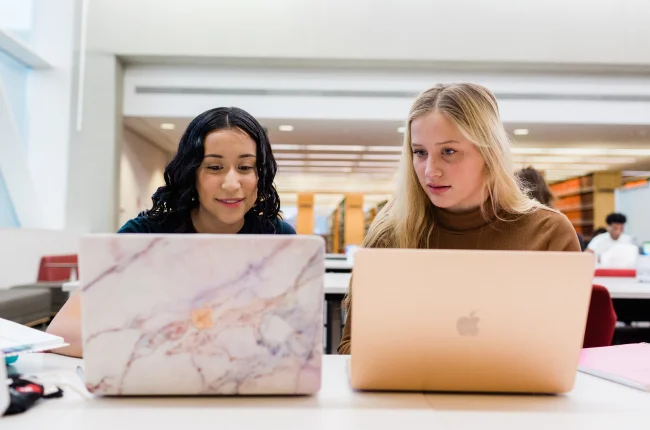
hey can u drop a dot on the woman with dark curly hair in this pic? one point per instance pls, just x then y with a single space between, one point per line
219 182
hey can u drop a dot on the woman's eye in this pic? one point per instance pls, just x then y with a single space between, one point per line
246 168
419 153
448 151
215 168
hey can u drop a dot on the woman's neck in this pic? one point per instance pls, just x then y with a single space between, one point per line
205 223
470 205
466 220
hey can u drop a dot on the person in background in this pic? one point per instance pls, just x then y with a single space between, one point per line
614 236
457 188
219 182
597 232
537 188
535 185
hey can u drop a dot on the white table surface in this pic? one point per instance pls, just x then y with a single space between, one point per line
338 264
624 288
593 404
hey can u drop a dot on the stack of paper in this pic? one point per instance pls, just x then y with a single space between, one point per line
625 364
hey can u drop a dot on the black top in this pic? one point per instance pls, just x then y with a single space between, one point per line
142 224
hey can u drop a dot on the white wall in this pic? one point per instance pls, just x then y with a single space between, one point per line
141 173
13 77
94 151
20 194
21 251
49 100
17 16
556 32
635 204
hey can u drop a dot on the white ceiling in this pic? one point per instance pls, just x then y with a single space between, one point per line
336 156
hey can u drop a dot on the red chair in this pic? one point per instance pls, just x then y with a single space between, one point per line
601 320
616 273
55 268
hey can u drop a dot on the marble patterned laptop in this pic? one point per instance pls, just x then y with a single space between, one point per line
202 314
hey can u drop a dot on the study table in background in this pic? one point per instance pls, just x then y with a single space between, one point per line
631 300
593 404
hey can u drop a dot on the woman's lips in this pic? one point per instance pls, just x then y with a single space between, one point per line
231 203
438 189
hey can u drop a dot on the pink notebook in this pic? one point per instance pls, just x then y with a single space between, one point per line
625 364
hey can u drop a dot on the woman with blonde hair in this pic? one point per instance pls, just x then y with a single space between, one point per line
457 188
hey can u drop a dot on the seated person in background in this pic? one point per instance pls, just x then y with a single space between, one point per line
457 188
614 236
536 187
598 231
220 181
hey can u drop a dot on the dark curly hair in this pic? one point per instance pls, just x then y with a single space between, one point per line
178 196
615 218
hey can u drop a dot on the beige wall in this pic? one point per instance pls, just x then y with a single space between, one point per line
141 173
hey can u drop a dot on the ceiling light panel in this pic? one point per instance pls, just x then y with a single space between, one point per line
336 148
583 151
392 157
331 163
291 163
377 164
574 159
588 167
384 148
289 155
285 147
349 156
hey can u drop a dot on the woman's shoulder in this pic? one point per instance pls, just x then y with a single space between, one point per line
283 227
545 216
550 221
144 224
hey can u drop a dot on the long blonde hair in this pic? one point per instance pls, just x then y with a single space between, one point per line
407 220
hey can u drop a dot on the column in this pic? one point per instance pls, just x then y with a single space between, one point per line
305 217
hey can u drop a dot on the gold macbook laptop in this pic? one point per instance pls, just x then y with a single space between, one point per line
469 321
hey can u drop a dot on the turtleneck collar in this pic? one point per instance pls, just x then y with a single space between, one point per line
473 219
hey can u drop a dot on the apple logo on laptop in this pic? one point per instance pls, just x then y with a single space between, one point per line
468 326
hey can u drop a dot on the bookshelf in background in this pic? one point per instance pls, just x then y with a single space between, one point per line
340 227
346 224
372 213
305 216
354 219
587 200
332 237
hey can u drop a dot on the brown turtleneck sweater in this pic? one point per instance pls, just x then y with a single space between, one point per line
542 230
